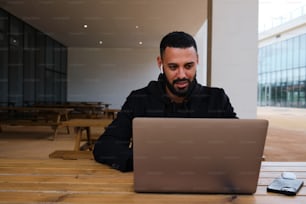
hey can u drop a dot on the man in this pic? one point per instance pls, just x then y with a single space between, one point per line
175 94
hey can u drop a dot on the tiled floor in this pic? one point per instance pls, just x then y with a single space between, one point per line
286 138
286 135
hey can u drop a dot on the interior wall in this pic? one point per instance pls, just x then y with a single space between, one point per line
201 39
109 75
234 52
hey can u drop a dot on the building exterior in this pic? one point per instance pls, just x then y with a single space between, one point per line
282 62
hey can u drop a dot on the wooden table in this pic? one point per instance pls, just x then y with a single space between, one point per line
85 181
91 110
111 113
39 116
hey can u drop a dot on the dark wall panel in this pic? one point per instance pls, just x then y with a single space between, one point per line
33 66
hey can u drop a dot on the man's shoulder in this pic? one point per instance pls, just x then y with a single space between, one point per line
209 89
151 87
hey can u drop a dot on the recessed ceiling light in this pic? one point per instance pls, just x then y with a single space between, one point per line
140 42
137 27
85 26
100 42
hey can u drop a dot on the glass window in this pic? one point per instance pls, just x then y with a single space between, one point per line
50 78
302 94
15 72
278 58
264 59
303 74
260 60
283 77
289 76
302 53
273 95
296 75
3 58
29 65
284 50
57 57
295 52
49 54
40 67
263 78
290 54
268 57
283 100
273 77
273 53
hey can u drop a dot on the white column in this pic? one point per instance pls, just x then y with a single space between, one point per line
234 52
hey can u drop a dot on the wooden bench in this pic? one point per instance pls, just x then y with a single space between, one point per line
71 154
34 116
81 126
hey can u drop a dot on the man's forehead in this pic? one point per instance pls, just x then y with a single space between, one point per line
179 48
172 53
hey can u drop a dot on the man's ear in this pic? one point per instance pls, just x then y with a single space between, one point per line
160 64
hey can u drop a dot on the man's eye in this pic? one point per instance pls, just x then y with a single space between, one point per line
172 67
188 66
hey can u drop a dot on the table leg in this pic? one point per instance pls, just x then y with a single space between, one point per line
88 144
78 135
64 117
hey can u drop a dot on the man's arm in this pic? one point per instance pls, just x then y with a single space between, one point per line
113 147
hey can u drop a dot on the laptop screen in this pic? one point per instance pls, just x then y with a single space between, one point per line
188 155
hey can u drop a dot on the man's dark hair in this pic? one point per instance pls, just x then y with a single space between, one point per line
177 39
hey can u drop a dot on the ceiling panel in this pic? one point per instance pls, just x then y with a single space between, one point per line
118 23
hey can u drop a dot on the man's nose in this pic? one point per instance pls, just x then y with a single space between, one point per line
181 73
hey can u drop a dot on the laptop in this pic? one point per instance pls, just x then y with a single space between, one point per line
197 155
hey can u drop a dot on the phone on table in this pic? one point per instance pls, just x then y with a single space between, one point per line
286 184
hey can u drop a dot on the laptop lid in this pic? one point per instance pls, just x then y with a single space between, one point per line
188 155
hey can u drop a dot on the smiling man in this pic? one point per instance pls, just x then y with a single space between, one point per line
176 93
178 62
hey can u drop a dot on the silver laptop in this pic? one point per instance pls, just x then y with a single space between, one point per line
187 155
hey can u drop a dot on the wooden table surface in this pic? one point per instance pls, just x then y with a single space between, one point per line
85 181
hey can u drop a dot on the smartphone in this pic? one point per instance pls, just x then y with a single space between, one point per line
285 186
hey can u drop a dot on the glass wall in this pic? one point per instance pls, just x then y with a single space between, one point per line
282 73
33 66
3 58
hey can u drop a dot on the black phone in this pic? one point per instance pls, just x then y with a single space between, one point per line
285 186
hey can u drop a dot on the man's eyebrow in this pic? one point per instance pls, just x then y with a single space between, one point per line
189 63
172 64
176 64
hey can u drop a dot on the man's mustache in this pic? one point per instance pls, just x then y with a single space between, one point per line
181 80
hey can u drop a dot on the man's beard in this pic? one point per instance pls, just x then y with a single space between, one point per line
180 92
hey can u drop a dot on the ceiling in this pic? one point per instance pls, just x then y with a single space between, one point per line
117 23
